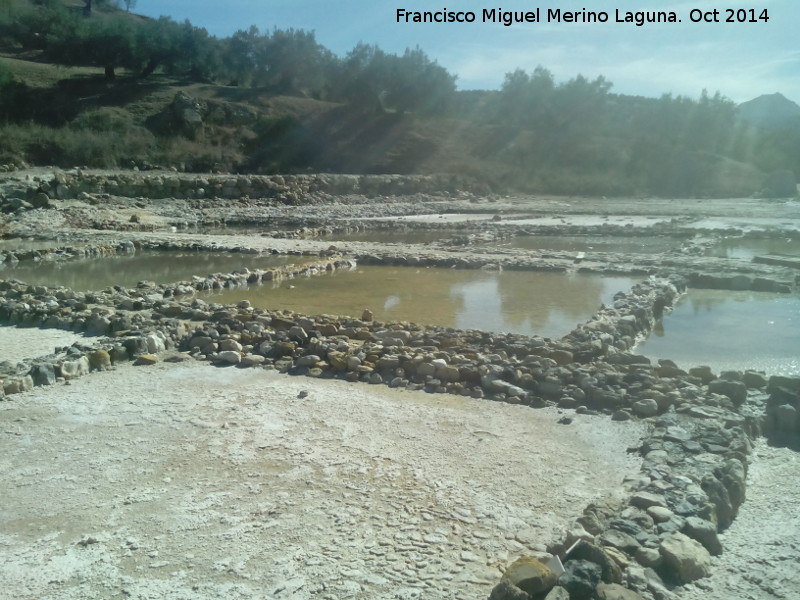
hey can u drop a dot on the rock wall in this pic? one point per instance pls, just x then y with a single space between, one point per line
289 189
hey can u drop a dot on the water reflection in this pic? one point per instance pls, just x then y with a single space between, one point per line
747 248
128 270
731 330
548 304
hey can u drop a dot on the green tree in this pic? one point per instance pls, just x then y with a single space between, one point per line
291 61
110 44
363 77
240 54
374 80
418 84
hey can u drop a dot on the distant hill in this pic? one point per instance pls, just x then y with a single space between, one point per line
770 111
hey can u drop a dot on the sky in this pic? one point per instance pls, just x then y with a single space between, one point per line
739 60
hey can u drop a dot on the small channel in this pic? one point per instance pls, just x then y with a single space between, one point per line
529 303
731 331
128 269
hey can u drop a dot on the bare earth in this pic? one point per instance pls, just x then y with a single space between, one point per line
32 342
189 481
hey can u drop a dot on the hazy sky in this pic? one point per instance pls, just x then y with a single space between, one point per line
740 60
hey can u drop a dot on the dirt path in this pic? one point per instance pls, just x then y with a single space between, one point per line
188 481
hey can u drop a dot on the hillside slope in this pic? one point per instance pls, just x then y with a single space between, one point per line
119 90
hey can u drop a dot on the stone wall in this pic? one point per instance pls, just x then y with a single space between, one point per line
289 189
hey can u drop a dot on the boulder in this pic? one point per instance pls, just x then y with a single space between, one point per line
230 345
230 357
155 342
309 360
337 360
297 333
448 373
587 551
704 532
785 417
660 514
618 539
505 590
703 373
754 380
17 385
720 498
43 374
70 369
580 577
646 407
186 115
735 390
557 593
562 357
530 575
252 360
645 500
145 359
99 360
685 558
135 345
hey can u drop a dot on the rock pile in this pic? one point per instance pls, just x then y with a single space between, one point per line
691 485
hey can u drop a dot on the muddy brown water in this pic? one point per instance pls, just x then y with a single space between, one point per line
127 270
530 303
731 330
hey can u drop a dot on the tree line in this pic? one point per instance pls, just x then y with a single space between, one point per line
538 130
281 61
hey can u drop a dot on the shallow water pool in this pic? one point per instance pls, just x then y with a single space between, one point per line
530 303
127 270
731 330
746 248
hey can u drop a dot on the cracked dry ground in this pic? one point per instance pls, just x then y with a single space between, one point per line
185 481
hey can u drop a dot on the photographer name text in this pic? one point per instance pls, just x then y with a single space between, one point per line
557 15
